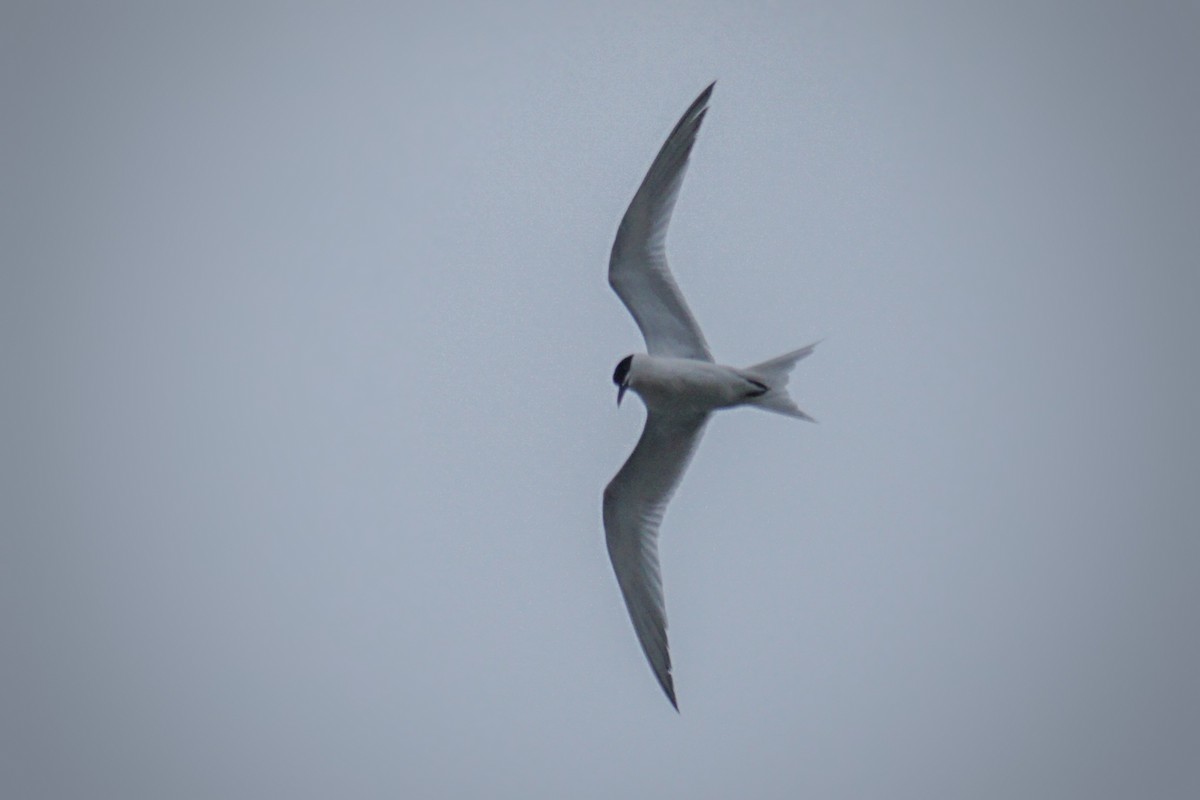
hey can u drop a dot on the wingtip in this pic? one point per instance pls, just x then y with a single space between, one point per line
668 687
696 111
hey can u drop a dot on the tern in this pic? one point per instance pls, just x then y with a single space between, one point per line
678 382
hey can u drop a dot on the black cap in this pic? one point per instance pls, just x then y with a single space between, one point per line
622 370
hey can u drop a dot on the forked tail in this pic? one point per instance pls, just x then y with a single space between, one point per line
774 373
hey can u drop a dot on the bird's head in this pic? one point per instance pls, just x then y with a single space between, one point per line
621 377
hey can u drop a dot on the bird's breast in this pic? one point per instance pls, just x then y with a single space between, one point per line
686 385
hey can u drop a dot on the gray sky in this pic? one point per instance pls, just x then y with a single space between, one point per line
306 347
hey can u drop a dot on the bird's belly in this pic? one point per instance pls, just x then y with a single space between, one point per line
682 385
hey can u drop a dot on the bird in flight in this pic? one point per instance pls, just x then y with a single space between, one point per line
679 383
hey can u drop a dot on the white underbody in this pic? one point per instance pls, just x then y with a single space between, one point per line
688 386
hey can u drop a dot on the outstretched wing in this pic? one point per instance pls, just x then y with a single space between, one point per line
637 269
634 502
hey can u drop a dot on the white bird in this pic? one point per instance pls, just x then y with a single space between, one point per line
679 384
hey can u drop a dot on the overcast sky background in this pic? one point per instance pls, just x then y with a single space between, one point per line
306 407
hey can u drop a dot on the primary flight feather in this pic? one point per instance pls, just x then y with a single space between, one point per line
679 383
